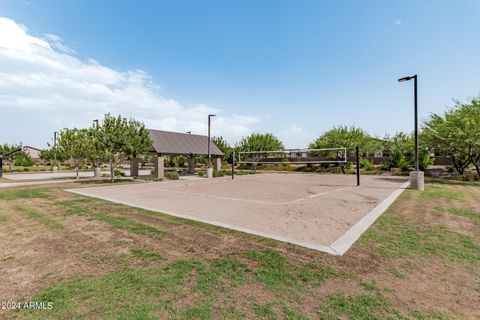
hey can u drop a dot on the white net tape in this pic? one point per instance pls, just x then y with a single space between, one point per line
293 156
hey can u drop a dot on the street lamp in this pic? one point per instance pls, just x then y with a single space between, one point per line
416 177
97 170
54 167
209 169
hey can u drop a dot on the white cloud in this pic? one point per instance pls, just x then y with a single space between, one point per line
57 43
397 22
46 85
14 37
294 137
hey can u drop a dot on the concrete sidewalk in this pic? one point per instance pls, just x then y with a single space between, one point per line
61 175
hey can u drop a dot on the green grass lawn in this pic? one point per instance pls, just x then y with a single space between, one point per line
128 263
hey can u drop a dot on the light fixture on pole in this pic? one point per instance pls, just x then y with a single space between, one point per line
209 168
416 177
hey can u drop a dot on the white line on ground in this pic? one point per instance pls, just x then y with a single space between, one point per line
248 200
216 197
315 195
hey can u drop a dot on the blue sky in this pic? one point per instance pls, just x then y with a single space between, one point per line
293 68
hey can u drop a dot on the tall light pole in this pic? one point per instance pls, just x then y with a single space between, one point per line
97 171
209 169
55 141
416 178
54 167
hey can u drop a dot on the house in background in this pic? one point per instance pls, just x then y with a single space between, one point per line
32 152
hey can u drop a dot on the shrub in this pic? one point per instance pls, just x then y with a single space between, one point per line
244 166
305 169
172 175
385 166
366 164
424 161
24 161
118 173
399 173
468 177
219 173
404 165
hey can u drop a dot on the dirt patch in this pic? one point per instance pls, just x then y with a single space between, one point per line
34 256
436 285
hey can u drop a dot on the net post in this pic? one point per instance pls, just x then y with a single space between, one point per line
1 165
233 165
357 156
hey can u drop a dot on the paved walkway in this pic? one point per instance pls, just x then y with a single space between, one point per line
59 175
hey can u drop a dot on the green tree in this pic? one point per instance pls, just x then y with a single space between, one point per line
75 145
121 139
223 145
456 134
437 133
345 137
466 122
260 142
96 154
400 150
53 153
9 155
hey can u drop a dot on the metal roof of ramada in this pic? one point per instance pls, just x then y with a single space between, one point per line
175 143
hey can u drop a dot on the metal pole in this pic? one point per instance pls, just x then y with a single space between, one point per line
233 165
209 154
416 122
1 165
357 155
55 146
97 164
54 166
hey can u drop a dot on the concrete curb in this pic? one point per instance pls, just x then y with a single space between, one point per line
342 244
